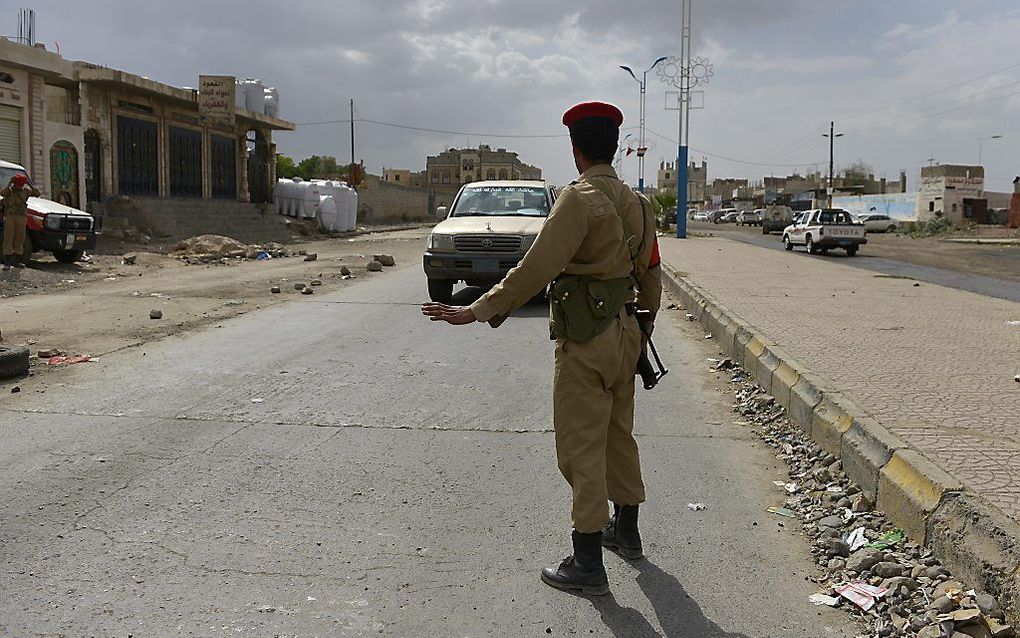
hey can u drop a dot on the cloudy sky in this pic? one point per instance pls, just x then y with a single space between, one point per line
906 80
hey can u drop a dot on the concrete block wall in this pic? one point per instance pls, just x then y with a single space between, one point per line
381 202
176 219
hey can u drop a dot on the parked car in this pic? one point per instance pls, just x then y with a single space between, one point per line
750 217
723 215
489 228
53 227
878 223
700 216
775 219
821 229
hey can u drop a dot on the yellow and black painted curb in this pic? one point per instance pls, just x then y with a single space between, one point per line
973 538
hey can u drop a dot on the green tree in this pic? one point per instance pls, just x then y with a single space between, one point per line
320 167
285 167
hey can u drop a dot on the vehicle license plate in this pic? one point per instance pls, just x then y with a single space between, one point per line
486 265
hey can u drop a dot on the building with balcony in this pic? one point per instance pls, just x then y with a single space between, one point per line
455 167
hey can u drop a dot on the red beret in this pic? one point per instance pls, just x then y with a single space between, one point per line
592 109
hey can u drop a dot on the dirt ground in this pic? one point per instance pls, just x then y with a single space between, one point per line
1001 261
103 306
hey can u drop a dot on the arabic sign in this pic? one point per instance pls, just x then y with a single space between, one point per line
216 98
965 186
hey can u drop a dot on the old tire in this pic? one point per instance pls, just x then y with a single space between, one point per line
851 251
787 244
68 256
13 362
441 290
811 246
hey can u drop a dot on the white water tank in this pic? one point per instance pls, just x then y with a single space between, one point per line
328 215
272 102
280 195
239 94
254 95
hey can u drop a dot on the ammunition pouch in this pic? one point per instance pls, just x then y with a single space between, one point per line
581 307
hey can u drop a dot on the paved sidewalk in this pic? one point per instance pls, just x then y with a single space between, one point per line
935 366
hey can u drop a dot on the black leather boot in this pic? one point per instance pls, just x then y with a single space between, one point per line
621 534
584 570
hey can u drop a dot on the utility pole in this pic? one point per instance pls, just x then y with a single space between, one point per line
982 140
832 147
685 118
352 131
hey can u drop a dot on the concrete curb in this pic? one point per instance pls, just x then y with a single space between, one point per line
974 539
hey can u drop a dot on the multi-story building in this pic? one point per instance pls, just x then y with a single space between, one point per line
454 167
697 177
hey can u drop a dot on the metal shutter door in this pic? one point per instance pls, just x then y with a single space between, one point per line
10 134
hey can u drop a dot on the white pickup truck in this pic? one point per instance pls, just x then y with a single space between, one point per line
823 228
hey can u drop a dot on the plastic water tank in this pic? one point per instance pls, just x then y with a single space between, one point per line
280 195
352 211
254 96
306 196
239 94
272 102
328 215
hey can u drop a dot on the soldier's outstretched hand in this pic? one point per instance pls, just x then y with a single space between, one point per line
455 315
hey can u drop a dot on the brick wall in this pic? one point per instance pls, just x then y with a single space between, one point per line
175 219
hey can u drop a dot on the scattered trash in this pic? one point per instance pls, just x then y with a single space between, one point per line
672 306
856 539
782 511
708 336
65 360
48 353
262 256
861 594
129 259
275 290
822 599
690 317
887 540
697 507
16 389
258 400
1014 323
307 291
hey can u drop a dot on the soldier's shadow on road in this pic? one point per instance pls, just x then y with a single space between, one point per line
677 613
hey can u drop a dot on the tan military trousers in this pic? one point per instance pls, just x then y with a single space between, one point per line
14 234
593 415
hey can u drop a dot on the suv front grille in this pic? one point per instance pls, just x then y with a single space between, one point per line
76 223
487 243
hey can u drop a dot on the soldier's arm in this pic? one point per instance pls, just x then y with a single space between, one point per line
5 191
556 244
650 278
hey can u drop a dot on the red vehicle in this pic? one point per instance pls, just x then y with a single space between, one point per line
53 227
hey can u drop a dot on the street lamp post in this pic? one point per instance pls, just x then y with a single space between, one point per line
982 140
642 147
832 135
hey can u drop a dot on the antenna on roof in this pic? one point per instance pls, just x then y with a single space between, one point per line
26 26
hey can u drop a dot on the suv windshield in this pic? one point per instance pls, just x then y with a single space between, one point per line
513 201
7 173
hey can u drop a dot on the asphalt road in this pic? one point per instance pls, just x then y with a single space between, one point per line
338 466
979 284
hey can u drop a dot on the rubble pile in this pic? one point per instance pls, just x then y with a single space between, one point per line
867 566
206 249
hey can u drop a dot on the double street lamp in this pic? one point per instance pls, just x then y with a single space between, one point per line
982 140
642 147
832 135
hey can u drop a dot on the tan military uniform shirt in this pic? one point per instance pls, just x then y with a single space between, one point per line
584 235
16 200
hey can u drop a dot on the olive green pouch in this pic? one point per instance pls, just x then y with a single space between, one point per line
581 307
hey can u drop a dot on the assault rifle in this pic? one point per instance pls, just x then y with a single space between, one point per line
650 375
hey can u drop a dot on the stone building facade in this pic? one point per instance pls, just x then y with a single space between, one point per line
697 177
455 167
92 136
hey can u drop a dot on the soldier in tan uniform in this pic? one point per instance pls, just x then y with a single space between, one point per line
15 198
598 249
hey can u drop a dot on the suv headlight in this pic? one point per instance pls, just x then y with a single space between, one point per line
527 241
54 222
440 242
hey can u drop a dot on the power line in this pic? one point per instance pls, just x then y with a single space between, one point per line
907 119
422 129
731 159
